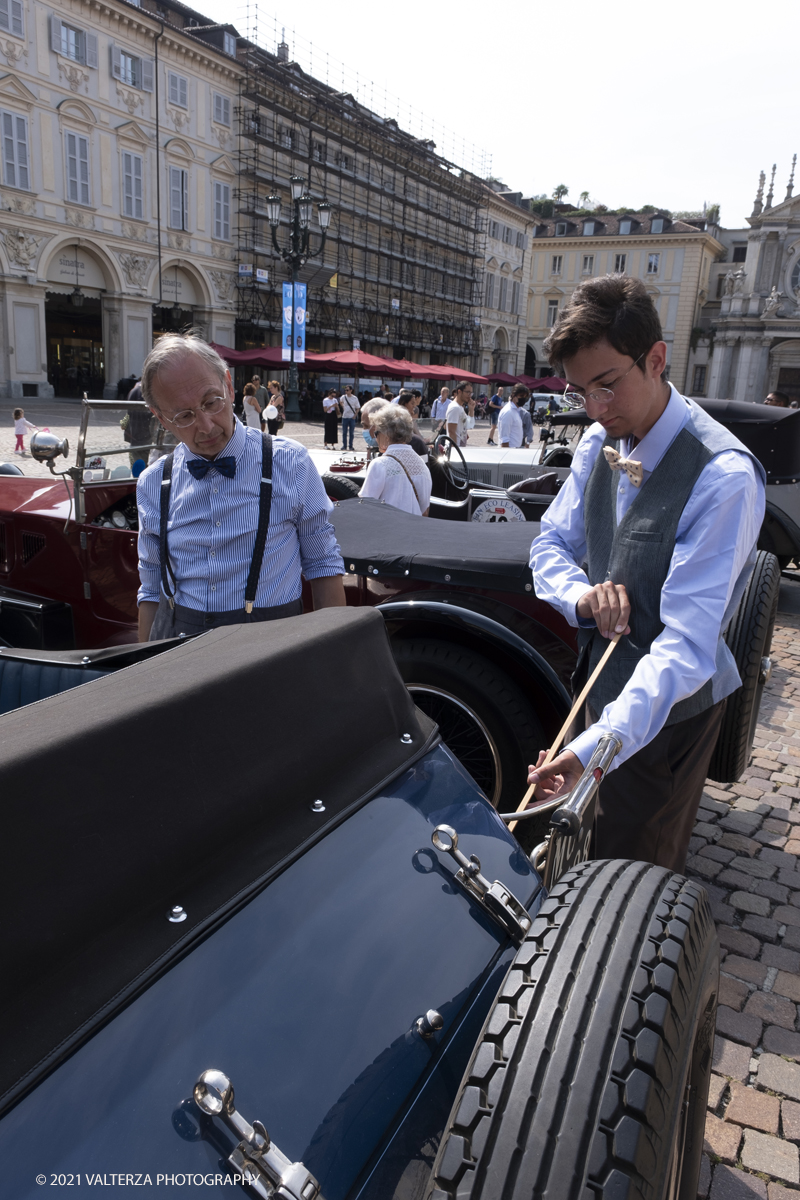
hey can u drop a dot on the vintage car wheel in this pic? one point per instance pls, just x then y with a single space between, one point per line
339 487
484 718
591 1074
749 637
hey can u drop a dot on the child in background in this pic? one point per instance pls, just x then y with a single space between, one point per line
21 427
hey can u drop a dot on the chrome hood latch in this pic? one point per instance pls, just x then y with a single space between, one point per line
494 898
262 1166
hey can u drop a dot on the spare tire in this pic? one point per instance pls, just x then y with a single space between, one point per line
590 1077
339 487
749 637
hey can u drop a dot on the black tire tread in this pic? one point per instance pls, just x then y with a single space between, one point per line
749 637
644 934
339 487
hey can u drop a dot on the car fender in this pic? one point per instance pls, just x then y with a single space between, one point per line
779 533
426 618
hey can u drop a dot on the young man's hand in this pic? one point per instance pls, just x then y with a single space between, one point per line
607 604
556 779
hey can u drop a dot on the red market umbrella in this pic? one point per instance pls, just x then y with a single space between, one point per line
550 383
504 377
444 371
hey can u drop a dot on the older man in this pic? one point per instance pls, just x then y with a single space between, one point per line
233 518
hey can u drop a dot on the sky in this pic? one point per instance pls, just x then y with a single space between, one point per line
671 105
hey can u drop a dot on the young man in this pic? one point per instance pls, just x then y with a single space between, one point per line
493 407
460 416
664 506
510 427
200 508
350 408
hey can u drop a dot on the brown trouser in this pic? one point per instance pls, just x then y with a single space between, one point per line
647 807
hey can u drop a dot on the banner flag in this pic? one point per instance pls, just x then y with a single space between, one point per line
300 322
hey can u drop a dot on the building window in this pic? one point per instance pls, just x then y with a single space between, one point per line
501 303
222 109
344 161
552 312
132 205
494 229
720 285
136 72
699 381
619 263
657 225
508 234
490 291
77 148
222 211
625 226
15 151
229 44
11 17
318 152
178 198
555 268
739 253
520 241
286 137
561 228
515 297
652 263
74 43
178 90
588 228
588 264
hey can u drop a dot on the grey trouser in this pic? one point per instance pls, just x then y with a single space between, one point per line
171 622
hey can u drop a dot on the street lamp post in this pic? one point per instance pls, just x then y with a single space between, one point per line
296 255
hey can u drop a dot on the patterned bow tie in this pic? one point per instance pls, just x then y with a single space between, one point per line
200 467
631 468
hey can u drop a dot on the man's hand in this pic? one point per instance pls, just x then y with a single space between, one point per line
556 779
607 604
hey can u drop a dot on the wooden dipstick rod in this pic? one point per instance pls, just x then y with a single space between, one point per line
562 733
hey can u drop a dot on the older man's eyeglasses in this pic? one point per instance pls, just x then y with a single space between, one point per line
603 395
188 416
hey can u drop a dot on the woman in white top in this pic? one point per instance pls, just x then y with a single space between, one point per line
331 408
399 477
252 409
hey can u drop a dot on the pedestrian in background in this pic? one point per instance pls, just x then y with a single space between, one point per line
349 407
461 414
441 405
410 402
368 410
252 409
330 406
399 477
262 395
276 398
493 407
21 426
510 427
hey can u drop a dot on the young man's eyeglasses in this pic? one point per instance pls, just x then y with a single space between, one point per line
603 395
188 416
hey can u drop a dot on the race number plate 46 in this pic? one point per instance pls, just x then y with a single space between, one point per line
501 510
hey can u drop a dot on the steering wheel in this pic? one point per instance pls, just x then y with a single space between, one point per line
444 450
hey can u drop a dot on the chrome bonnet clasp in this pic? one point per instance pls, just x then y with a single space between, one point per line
261 1164
495 898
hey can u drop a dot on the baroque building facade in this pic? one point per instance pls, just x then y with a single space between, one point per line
118 173
673 258
506 275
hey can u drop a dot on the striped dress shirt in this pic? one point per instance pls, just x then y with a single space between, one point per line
212 527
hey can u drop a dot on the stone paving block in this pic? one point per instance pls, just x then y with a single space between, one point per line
722 1139
723 914
787 984
743 968
791 939
758 770
719 802
711 833
790 1120
761 927
741 1027
706 868
731 1059
787 914
777 1075
732 992
740 843
792 847
716 1089
791 815
755 866
751 790
697 843
786 777
773 825
767 838
781 1041
730 1184
794 898
706 814
763 805
752 1108
776 1191
772 1009
779 857
731 878
743 823
717 854
758 905
790 879
773 891
784 960
704 1178
781 804
771 1155
786 790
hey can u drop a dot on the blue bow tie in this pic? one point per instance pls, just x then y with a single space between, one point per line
200 467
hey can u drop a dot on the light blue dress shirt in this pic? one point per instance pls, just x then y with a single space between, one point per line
212 527
716 533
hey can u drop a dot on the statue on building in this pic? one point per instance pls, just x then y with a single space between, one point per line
730 283
738 282
21 247
772 303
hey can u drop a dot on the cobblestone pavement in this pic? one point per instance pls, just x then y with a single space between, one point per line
746 852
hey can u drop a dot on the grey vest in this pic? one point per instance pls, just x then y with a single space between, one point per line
638 552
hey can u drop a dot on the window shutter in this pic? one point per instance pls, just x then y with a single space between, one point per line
91 50
83 154
9 164
138 199
185 183
146 68
23 175
127 184
173 88
4 21
226 111
175 198
16 18
56 36
116 62
183 92
217 108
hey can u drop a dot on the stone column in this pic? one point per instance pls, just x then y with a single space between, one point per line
720 367
745 376
112 344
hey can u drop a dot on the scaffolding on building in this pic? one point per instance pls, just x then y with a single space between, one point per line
401 271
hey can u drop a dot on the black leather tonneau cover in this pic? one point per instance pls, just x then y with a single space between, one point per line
186 779
377 539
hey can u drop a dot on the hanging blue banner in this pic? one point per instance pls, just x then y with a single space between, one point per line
288 305
300 322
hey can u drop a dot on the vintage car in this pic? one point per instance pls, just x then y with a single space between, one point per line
303 957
